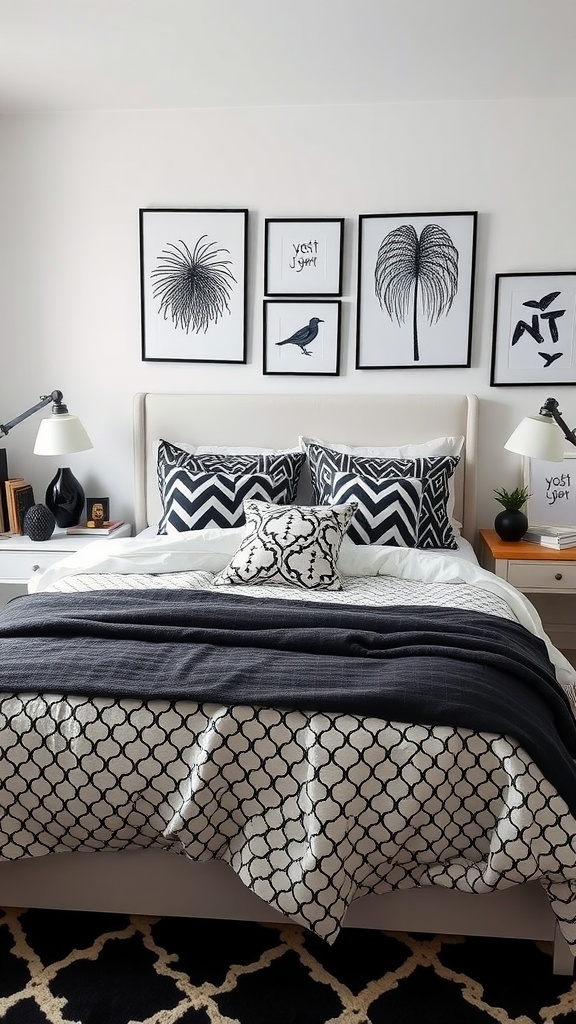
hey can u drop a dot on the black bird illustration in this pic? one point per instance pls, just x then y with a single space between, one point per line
548 360
304 336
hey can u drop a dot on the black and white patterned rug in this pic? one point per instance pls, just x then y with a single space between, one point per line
77 968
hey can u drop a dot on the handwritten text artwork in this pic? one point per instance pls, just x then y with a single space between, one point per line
303 257
552 487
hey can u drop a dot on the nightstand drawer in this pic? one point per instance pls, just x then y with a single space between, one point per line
550 576
19 566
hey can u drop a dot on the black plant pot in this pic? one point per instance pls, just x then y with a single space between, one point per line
510 525
65 498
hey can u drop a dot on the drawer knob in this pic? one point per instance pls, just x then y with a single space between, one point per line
35 568
558 576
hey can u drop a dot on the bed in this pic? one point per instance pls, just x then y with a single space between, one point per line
448 884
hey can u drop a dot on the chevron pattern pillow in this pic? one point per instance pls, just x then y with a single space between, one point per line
197 501
388 510
297 544
434 527
283 468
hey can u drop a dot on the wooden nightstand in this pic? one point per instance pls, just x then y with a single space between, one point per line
529 567
21 558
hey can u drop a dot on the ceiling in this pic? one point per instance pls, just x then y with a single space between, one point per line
155 54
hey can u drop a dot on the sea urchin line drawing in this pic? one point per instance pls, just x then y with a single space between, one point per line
194 288
422 271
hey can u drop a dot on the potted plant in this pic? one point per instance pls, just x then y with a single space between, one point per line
512 523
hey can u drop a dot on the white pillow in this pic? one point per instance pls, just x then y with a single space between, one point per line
215 449
296 544
423 449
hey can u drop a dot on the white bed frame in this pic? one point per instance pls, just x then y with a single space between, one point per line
155 882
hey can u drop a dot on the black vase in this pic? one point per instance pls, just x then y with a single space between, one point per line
39 523
65 498
511 524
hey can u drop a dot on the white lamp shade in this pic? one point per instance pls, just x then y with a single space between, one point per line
537 437
61 434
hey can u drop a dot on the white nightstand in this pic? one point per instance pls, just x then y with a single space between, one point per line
21 558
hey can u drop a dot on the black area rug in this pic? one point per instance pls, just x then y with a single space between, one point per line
61 967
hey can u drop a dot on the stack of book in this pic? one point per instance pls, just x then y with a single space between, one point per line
83 530
18 498
558 537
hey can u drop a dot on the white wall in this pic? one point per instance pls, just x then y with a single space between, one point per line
71 185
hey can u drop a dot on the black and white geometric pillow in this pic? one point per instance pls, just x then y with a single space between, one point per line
282 467
434 529
197 501
388 510
297 544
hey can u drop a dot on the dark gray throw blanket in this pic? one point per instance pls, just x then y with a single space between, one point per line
405 664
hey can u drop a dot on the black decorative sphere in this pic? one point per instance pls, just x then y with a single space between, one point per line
511 524
39 523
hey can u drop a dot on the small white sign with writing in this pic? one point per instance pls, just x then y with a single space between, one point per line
552 487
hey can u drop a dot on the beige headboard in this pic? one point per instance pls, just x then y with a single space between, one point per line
277 421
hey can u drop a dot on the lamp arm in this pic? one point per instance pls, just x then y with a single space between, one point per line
54 396
550 408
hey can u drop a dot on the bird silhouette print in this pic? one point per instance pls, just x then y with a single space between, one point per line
304 336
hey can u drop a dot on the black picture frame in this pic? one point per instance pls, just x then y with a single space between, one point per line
91 502
181 324
393 330
303 256
534 329
316 353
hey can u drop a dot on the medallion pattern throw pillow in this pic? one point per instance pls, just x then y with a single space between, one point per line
297 544
434 527
388 510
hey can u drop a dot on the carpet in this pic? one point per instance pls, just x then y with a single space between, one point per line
62 967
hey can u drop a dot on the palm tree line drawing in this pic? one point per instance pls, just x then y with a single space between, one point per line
418 273
194 288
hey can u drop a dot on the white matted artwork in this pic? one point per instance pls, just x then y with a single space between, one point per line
415 290
193 285
302 337
303 256
552 489
534 330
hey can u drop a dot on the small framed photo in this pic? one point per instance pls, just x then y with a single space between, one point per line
415 290
302 338
193 285
303 256
534 330
552 489
97 510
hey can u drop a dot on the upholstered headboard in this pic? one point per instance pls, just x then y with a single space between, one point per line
277 421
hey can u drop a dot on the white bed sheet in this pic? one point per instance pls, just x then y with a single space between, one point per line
465 549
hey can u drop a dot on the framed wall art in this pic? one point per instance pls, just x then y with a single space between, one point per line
303 256
534 330
552 489
302 338
415 290
193 285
